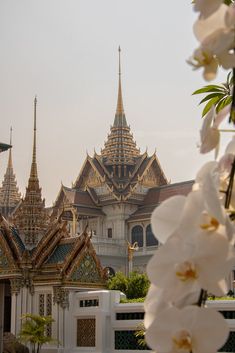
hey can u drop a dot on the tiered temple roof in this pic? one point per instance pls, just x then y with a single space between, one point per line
9 192
120 149
31 217
120 173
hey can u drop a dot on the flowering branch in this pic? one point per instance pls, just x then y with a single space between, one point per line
196 232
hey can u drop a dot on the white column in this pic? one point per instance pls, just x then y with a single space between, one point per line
69 325
19 312
13 313
60 328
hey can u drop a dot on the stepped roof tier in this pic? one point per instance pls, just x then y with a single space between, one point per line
120 151
9 192
31 217
119 174
57 258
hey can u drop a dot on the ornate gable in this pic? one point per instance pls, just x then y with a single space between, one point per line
83 266
150 178
153 174
91 179
86 271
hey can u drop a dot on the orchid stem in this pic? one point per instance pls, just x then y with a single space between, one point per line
202 298
232 111
230 186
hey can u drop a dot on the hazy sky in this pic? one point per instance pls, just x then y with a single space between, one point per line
65 51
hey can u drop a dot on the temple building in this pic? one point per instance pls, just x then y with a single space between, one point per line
41 266
114 196
9 192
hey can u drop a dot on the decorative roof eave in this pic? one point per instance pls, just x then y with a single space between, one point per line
62 193
78 181
140 161
104 178
48 243
80 244
106 172
152 159
94 199
10 247
78 254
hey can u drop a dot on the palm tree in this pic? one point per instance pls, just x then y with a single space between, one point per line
33 331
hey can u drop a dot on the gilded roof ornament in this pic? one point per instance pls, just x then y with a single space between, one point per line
120 148
9 192
31 217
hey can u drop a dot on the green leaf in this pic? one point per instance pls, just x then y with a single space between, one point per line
209 88
212 95
225 101
228 2
209 104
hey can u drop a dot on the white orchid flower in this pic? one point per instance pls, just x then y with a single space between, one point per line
207 7
216 35
210 135
184 267
192 329
154 303
206 59
200 210
205 27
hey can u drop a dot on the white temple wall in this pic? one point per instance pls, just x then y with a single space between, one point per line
105 324
116 215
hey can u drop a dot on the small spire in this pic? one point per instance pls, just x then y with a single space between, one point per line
120 109
10 165
33 173
11 135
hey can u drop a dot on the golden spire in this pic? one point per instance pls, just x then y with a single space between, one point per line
9 192
33 173
10 156
120 109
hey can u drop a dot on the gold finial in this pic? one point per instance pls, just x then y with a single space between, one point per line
119 57
11 135
120 109
10 156
34 173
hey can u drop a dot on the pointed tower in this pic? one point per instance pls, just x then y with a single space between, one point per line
120 152
31 217
9 192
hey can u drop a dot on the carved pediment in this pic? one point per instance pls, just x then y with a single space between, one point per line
151 177
91 179
86 271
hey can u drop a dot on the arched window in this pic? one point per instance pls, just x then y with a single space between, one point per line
150 238
137 235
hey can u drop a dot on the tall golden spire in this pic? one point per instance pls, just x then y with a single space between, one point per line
31 217
120 109
10 165
9 192
120 119
120 149
33 173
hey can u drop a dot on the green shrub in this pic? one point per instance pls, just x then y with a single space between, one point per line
118 282
135 286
